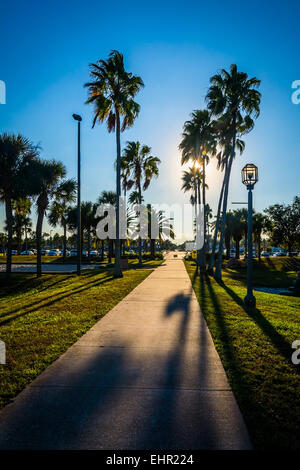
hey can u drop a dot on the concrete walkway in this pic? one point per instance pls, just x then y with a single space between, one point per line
146 376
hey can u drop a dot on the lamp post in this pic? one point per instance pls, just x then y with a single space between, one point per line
78 119
249 178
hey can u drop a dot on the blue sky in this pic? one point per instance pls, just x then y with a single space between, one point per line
175 47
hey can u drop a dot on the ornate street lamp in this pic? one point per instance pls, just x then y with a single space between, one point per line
249 178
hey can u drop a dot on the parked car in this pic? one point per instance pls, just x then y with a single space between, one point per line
73 253
94 253
265 253
53 252
27 252
279 253
14 252
44 252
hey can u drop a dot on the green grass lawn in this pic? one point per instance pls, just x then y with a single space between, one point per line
255 349
41 317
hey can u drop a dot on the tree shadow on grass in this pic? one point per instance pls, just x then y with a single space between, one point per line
291 264
22 285
281 344
223 334
50 300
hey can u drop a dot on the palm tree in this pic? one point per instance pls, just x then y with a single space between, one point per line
59 207
16 154
228 232
47 183
143 167
238 229
112 92
234 99
198 141
165 228
222 158
134 198
259 226
191 182
88 220
125 175
21 211
3 240
108 197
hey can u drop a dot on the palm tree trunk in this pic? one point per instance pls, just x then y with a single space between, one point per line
89 244
218 271
214 244
237 249
203 250
102 250
198 201
227 244
140 240
26 240
39 225
110 250
259 247
64 241
19 238
152 248
118 272
9 221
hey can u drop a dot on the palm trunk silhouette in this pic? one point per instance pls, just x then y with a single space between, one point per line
9 220
118 272
218 272
214 244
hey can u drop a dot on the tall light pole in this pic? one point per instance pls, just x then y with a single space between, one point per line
78 119
249 178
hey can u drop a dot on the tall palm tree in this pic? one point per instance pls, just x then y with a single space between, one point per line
143 167
112 92
16 154
47 183
234 99
222 159
198 141
192 180
59 207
